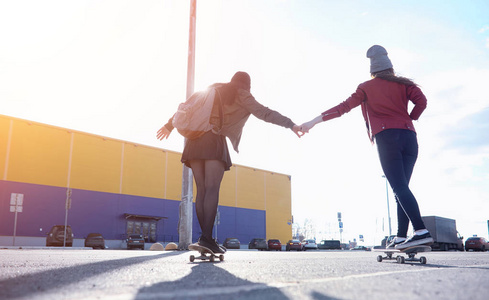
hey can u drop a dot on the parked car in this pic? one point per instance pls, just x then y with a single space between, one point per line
260 244
274 244
329 244
95 240
231 243
386 241
135 241
361 248
293 245
476 243
309 245
56 236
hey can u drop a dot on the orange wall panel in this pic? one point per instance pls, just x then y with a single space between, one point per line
96 164
251 188
174 177
227 193
38 154
4 135
143 171
279 209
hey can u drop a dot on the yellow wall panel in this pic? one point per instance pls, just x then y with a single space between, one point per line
251 188
174 176
227 193
4 134
39 154
96 164
143 171
279 210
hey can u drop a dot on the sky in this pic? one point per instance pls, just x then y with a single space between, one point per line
118 69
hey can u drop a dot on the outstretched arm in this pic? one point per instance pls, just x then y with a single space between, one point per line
163 133
304 128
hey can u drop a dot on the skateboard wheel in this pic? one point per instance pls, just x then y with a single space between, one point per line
400 259
212 259
221 257
422 260
192 258
379 258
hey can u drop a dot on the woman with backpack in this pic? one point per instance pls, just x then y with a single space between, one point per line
384 102
208 154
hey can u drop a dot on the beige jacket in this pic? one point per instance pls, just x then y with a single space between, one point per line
236 114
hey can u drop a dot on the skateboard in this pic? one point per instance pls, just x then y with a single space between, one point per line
203 253
410 252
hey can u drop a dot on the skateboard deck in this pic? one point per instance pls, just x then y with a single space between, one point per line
410 252
205 253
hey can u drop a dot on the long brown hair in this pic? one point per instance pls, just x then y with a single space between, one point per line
389 75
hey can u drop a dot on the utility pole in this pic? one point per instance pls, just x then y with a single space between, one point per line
185 219
388 209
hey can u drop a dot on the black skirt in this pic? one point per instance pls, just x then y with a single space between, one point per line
210 146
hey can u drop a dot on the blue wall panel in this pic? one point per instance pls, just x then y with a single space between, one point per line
241 223
44 207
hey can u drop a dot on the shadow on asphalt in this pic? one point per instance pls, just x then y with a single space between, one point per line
207 281
36 283
318 296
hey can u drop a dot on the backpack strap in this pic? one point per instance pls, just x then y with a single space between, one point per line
221 113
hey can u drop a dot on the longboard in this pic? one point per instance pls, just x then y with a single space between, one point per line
203 253
410 252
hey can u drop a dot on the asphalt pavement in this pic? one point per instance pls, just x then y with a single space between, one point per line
244 274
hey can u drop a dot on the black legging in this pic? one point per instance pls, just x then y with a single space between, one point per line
398 151
208 175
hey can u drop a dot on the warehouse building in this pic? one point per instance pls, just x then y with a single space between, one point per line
51 175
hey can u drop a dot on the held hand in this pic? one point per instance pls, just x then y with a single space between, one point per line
163 133
298 130
309 125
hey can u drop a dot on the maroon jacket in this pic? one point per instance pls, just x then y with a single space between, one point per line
384 105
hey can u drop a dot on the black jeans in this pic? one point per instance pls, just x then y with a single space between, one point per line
398 151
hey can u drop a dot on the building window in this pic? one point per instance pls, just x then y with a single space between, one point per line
145 228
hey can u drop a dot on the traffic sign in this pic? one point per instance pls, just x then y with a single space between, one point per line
16 201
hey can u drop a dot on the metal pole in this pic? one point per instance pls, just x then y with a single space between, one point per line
66 224
185 220
15 226
67 206
388 209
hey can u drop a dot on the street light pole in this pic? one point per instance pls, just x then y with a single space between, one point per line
388 209
186 208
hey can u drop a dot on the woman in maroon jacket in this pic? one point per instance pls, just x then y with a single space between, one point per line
384 102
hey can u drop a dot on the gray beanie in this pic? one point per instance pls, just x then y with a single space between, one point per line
378 59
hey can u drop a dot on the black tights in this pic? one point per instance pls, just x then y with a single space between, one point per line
398 151
208 175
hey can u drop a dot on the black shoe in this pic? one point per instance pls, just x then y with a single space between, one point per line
395 241
416 240
210 244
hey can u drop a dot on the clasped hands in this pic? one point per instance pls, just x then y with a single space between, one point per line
300 130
